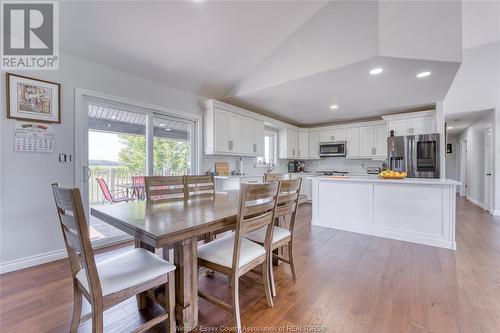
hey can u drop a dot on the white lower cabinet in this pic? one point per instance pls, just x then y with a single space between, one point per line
306 188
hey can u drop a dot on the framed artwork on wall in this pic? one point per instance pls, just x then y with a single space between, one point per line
33 99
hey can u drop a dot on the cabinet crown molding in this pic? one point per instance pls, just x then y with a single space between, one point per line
410 115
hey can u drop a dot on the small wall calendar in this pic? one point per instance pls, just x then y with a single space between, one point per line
33 137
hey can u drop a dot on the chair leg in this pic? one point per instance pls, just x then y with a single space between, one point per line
291 259
265 280
77 310
170 296
236 303
97 319
271 278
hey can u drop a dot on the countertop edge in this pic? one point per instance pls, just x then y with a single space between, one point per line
418 181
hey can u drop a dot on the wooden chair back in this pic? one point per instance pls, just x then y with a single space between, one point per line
257 207
162 188
198 185
105 189
274 177
76 236
288 200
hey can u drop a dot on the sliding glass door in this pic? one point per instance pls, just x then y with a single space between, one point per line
121 144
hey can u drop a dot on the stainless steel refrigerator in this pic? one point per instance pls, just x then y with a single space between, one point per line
417 155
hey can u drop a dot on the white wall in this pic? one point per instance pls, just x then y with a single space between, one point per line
477 87
474 135
29 226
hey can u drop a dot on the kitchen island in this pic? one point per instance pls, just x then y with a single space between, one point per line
414 210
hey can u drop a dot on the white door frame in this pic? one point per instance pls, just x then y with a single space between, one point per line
82 97
488 176
463 168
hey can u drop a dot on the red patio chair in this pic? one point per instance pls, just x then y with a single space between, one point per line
108 196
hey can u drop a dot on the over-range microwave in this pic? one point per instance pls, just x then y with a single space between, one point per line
329 149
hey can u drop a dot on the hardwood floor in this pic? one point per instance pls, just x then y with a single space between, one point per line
346 283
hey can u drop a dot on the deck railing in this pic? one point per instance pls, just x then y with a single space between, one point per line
116 177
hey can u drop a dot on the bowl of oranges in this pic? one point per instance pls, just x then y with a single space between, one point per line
390 174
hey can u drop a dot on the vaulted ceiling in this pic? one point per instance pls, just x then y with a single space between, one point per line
286 59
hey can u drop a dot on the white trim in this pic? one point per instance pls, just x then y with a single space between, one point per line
43 258
475 202
496 212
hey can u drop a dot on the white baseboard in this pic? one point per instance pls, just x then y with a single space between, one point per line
17 264
475 202
43 258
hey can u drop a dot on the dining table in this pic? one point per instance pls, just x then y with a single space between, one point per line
175 224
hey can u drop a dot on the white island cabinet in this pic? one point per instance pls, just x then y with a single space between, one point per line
414 210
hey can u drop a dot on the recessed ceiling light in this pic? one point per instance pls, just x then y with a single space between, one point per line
334 107
167 129
376 71
161 125
423 74
449 127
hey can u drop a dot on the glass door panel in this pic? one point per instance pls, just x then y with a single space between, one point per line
172 146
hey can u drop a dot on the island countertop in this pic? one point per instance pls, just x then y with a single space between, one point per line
375 179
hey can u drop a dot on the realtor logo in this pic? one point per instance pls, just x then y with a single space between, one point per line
30 36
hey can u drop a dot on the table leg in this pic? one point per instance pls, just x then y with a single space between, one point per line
186 284
141 298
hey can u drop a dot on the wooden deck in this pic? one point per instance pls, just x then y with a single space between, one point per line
346 283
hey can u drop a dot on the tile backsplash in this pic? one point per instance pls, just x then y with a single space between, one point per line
324 164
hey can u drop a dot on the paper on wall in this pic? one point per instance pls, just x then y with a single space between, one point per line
33 137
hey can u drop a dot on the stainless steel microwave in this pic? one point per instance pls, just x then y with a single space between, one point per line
329 149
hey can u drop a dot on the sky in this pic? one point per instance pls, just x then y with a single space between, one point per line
103 146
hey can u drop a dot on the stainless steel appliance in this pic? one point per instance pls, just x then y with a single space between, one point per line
417 155
329 149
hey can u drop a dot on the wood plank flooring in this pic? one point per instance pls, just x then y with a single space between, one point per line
346 283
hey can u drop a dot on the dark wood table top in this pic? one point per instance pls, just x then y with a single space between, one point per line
165 223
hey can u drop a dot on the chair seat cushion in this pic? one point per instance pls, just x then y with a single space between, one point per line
259 235
127 270
220 251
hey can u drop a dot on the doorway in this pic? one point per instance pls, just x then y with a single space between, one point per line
463 168
121 143
488 169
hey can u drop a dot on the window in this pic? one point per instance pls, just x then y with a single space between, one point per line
270 143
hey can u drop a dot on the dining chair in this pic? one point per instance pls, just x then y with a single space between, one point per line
113 280
164 188
139 190
198 186
288 202
235 255
110 195
273 177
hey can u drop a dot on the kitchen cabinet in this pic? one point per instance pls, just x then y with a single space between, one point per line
335 134
306 187
353 142
303 145
415 123
367 142
228 133
313 151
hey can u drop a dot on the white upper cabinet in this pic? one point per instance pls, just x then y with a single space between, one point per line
353 141
367 142
335 134
415 123
258 146
289 143
229 133
313 151
303 145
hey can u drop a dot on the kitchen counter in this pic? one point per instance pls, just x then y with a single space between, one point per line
413 209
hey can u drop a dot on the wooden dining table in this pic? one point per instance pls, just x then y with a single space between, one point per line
177 224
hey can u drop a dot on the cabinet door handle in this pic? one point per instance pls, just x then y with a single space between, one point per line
230 144
332 137
298 153
293 152
410 130
254 147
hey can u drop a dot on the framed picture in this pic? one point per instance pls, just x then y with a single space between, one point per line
449 148
32 99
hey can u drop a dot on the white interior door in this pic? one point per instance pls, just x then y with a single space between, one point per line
463 168
488 169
